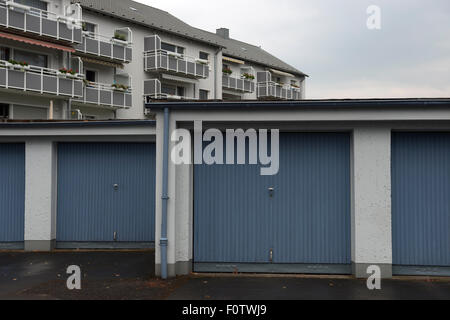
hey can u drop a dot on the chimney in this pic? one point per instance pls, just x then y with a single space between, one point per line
223 32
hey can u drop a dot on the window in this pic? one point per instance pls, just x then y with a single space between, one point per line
38 4
172 90
168 89
4 54
91 76
89 27
33 59
180 91
172 48
204 94
4 111
204 55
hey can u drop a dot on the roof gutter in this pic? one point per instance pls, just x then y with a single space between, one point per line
165 196
303 104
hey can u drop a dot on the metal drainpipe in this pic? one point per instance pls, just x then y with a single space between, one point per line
215 73
165 196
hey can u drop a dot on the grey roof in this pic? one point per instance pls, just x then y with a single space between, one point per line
161 20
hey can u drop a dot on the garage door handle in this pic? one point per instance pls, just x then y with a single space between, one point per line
271 191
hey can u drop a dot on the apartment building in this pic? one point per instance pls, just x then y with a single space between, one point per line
102 59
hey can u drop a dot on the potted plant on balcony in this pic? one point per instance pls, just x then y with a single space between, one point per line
248 76
16 65
67 73
119 38
227 71
120 87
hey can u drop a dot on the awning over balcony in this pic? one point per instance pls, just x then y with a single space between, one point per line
103 63
281 73
179 79
232 60
36 42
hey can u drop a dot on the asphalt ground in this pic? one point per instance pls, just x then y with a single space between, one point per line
129 275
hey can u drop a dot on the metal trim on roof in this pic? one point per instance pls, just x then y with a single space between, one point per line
338 103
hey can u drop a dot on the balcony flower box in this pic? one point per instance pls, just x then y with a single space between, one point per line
175 54
120 37
248 76
120 87
20 66
67 73
119 41
202 61
227 72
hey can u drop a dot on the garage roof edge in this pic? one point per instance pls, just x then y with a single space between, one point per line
77 123
343 103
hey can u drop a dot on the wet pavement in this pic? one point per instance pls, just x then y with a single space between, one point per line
130 275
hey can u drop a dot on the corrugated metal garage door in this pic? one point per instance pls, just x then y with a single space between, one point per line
302 227
421 203
12 195
106 194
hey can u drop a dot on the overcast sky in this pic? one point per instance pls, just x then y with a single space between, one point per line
329 40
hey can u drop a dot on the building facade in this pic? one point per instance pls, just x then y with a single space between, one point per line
360 183
64 59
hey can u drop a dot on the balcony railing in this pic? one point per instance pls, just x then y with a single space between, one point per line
106 47
237 84
105 95
275 90
172 62
40 80
30 20
153 91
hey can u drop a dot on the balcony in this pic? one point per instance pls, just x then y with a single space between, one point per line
40 80
154 91
268 89
116 49
106 95
159 60
238 84
25 19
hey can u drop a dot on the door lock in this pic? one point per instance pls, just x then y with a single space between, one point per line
271 191
116 187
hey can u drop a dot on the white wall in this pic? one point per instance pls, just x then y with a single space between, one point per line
371 214
40 194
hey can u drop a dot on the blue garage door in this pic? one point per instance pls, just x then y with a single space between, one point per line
295 221
12 195
106 194
421 202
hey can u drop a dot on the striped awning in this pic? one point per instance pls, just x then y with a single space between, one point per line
233 60
35 42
